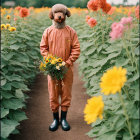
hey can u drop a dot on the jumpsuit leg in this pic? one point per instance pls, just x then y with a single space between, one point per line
66 89
54 89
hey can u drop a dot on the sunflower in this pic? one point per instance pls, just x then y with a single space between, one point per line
11 29
46 61
8 17
3 26
8 26
59 59
113 80
93 109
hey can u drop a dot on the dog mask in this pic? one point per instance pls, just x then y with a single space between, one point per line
59 12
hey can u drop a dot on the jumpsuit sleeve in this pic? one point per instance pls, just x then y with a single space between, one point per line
75 50
44 48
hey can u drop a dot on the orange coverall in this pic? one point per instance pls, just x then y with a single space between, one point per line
62 43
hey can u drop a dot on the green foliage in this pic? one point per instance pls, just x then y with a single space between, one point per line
99 53
50 3
20 56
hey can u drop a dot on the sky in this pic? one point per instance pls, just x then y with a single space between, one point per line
130 2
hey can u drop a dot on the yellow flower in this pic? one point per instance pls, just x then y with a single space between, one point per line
60 65
57 67
11 29
44 65
3 26
53 62
8 26
50 56
59 59
46 61
113 80
8 16
41 66
93 109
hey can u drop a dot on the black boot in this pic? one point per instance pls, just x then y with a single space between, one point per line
55 124
64 123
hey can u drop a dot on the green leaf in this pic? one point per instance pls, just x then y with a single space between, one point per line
8 56
108 136
19 93
4 112
14 77
121 62
7 86
16 131
3 82
21 86
7 94
126 136
14 47
7 126
134 78
13 104
18 115
96 123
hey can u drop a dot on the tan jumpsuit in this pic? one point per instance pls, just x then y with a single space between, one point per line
62 43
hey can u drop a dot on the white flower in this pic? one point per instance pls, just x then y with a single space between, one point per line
63 63
57 67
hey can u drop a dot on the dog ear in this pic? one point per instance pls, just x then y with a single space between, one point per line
68 13
51 14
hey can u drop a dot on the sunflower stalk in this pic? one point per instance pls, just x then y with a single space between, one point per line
126 116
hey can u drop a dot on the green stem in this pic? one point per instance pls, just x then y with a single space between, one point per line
100 12
126 91
126 116
133 59
127 51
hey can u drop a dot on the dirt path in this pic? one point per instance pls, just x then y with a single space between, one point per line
40 115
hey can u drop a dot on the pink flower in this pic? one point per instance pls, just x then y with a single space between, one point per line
117 30
92 22
15 18
114 25
126 20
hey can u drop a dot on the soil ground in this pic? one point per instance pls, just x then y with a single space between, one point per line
40 115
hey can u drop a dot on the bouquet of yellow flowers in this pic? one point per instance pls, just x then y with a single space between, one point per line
53 66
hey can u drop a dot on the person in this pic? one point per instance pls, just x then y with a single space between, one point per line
62 41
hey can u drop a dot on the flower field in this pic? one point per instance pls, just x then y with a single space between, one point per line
108 64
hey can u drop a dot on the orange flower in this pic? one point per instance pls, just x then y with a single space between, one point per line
18 8
129 13
24 12
107 8
101 3
92 5
111 11
137 12
87 18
